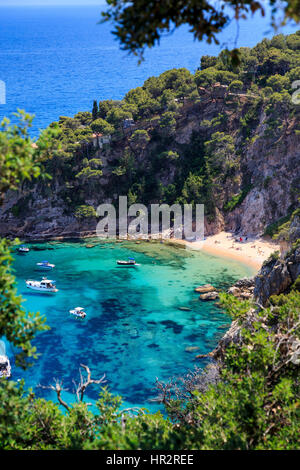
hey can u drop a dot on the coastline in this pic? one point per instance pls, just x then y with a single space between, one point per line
253 252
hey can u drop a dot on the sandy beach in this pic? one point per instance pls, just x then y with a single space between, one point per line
253 251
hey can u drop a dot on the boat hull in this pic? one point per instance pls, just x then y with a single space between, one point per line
42 290
44 268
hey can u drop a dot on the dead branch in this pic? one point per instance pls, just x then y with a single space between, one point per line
83 384
79 389
57 387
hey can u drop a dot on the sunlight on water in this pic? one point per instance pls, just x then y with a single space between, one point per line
134 330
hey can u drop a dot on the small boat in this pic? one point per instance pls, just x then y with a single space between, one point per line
23 249
78 312
45 266
128 264
5 367
43 286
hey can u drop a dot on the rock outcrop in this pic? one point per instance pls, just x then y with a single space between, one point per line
277 276
243 289
209 296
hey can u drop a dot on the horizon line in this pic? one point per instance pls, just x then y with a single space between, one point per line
38 5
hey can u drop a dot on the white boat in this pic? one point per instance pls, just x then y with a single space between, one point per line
5 367
131 263
78 312
23 249
45 266
43 286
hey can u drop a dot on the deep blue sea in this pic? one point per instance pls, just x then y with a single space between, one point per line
56 60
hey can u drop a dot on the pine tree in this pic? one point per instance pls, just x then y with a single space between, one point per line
95 110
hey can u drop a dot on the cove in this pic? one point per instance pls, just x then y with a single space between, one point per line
134 330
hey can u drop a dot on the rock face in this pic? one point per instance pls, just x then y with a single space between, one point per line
209 296
243 289
277 276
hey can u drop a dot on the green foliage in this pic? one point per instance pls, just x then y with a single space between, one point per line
220 153
102 127
139 139
192 191
296 284
235 86
237 199
19 160
280 229
278 82
272 258
16 325
95 110
83 212
140 25
169 155
167 123
18 157
211 75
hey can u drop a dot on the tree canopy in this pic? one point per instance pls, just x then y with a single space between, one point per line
141 23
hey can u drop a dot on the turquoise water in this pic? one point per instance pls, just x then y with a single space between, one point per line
134 330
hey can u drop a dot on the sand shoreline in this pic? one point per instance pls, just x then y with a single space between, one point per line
253 251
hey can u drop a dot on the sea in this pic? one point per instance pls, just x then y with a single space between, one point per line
55 61
142 323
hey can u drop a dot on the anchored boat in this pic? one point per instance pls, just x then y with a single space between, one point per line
43 286
5 367
45 266
78 312
128 264
23 249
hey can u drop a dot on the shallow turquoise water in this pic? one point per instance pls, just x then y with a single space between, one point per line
134 330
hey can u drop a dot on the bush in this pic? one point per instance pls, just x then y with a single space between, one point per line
83 212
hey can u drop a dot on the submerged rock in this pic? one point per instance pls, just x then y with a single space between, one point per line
205 288
192 348
40 248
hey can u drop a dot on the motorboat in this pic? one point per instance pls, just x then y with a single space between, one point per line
5 367
45 266
43 286
78 312
23 249
128 264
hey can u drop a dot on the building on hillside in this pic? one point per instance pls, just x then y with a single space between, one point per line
127 123
99 140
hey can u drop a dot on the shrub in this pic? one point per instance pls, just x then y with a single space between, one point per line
83 212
